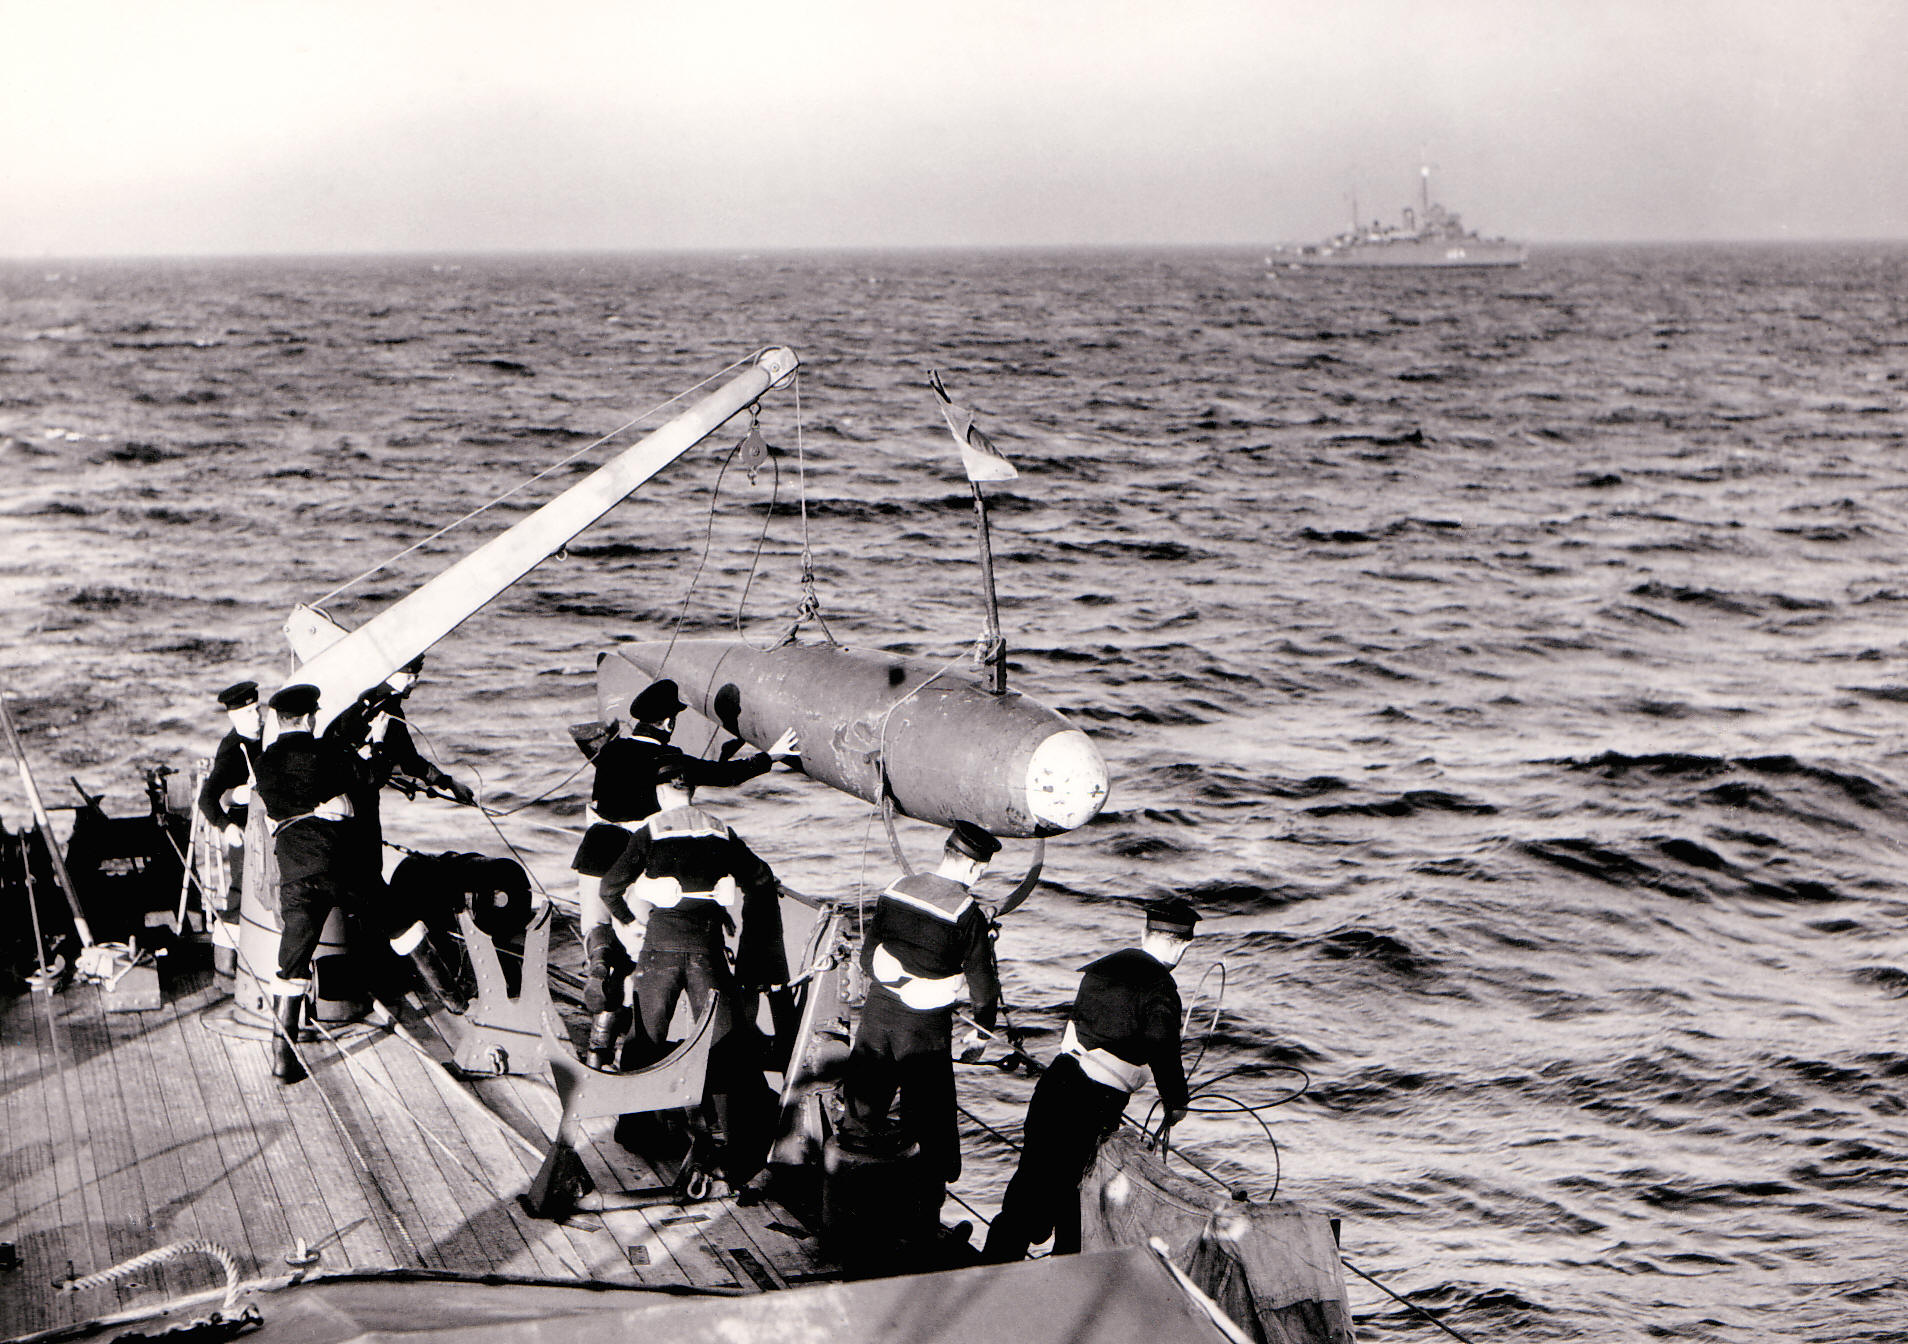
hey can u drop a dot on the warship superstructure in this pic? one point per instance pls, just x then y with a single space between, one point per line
1428 236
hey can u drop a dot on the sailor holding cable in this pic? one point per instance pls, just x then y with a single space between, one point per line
1125 1024
307 784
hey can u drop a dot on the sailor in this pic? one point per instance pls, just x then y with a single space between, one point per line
224 797
623 796
307 784
926 934
682 880
390 754
1125 1024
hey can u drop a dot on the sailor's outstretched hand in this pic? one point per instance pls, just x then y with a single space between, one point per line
787 747
460 791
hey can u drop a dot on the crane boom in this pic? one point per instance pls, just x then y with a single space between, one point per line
364 657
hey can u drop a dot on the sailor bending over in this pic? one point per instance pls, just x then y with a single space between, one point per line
1125 1024
926 935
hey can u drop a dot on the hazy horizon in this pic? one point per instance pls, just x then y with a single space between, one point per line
206 128
882 250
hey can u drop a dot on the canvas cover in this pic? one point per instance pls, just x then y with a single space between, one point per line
1116 1297
1273 1267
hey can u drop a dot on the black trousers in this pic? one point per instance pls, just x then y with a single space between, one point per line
305 903
663 976
1067 1120
899 1050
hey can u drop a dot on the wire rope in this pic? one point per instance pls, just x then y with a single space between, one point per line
532 480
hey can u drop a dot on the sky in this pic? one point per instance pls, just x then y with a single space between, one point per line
191 127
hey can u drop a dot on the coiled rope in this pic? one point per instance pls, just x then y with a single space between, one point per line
178 1248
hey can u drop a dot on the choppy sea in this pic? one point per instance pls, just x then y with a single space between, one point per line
1510 666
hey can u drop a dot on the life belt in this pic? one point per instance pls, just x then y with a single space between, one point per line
332 809
920 992
685 823
1103 1066
666 893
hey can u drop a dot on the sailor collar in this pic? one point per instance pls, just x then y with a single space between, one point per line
928 907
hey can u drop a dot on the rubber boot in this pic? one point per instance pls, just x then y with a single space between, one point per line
287 1009
437 978
605 1037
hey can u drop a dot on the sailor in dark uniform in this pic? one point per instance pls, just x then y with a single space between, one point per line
925 936
1125 1023
307 784
683 879
390 754
624 796
224 796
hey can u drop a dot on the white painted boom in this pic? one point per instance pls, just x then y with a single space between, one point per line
389 640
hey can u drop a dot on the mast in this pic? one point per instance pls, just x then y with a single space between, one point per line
40 819
389 640
996 645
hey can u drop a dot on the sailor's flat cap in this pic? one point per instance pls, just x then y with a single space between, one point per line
298 699
1171 915
969 839
656 702
239 694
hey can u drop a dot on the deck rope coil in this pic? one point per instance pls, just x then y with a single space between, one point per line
127 1268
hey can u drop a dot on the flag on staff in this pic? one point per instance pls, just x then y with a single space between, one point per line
984 462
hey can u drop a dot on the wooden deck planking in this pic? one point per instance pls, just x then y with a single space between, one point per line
158 1115
90 1069
509 1163
176 1103
316 1136
400 1162
366 1158
120 1184
51 1228
483 1234
71 1155
302 1150
270 1201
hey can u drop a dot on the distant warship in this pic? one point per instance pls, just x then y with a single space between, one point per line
1438 238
